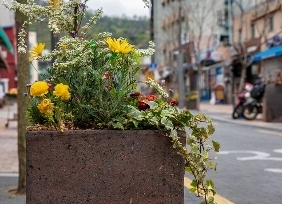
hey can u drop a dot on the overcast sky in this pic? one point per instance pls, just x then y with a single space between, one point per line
120 7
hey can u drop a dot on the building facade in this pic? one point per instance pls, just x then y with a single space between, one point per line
201 28
209 40
8 77
265 24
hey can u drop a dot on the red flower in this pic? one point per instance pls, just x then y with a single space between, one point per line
174 103
134 94
142 105
141 102
105 75
50 86
151 97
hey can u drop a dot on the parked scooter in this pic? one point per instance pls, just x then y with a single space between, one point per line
252 107
242 98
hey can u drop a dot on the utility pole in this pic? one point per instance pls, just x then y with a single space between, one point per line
152 27
230 41
180 63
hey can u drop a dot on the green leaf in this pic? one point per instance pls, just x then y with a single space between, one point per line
192 190
194 183
165 113
152 104
216 146
173 135
167 123
134 113
118 125
154 121
210 184
205 155
211 164
211 200
210 129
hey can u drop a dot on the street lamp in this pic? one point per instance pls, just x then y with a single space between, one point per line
180 78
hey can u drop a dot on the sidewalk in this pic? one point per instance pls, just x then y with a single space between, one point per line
9 157
8 139
223 112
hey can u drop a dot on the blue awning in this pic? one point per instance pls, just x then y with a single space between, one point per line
266 54
4 40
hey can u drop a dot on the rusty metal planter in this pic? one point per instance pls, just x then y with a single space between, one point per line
103 167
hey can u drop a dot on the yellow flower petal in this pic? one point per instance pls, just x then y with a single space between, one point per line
119 45
46 106
64 47
61 91
36 51
39 88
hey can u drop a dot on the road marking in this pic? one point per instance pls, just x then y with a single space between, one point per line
270 132
278 151
257 155
9 174
218 199
274 170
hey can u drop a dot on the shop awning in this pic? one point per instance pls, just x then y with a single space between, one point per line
266 54
4 41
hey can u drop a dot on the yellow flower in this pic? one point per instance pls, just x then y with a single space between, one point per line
64 47
61 91
119 45
39 88
36 51
46 106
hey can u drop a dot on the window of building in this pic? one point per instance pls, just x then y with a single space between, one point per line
253 30
270 23
240 35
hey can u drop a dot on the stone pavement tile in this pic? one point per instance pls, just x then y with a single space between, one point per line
216 108
9 148
7 183
8 139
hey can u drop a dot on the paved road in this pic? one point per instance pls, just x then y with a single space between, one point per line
249 164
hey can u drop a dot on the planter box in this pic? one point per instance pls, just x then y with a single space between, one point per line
103 167
272 106
191 104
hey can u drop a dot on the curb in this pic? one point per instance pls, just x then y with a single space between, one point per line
252 123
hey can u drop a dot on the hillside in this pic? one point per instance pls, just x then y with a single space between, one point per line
135 29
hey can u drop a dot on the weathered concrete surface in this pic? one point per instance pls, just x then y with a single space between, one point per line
103 167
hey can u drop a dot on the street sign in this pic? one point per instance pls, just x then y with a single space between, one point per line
153 65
